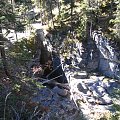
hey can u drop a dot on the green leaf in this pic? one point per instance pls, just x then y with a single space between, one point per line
2 18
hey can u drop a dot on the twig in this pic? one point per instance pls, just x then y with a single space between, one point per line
35 113
22 108
17 114
53 70
56 77
5 105
51 79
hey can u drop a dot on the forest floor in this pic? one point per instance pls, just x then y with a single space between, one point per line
87 98
92 97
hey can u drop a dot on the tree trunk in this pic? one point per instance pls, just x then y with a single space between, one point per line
42 54
59 7
50 1
2 52
71 13
4 61
40 6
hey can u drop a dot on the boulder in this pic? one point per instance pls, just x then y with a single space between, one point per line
61 92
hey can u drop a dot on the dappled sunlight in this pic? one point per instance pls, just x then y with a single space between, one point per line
59 60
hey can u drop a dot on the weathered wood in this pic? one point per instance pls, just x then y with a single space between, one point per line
42 52
65 86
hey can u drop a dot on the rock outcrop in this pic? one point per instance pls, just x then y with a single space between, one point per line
109 58
87 95
92 93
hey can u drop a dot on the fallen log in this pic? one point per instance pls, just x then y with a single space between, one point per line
53 82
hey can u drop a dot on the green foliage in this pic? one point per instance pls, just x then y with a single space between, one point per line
105 12
116 106
72 19
15 100
116 21
23 49
23 1
34 84
7 16
115 116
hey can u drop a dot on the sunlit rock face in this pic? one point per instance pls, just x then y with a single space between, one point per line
109 63
95 55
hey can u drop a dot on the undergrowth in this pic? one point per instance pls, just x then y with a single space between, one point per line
16 100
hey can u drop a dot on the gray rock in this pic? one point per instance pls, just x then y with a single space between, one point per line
100 91
82 88
108 62
105 100
59 91
91 100
81 75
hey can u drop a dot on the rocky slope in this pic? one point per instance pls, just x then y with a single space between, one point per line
88 94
